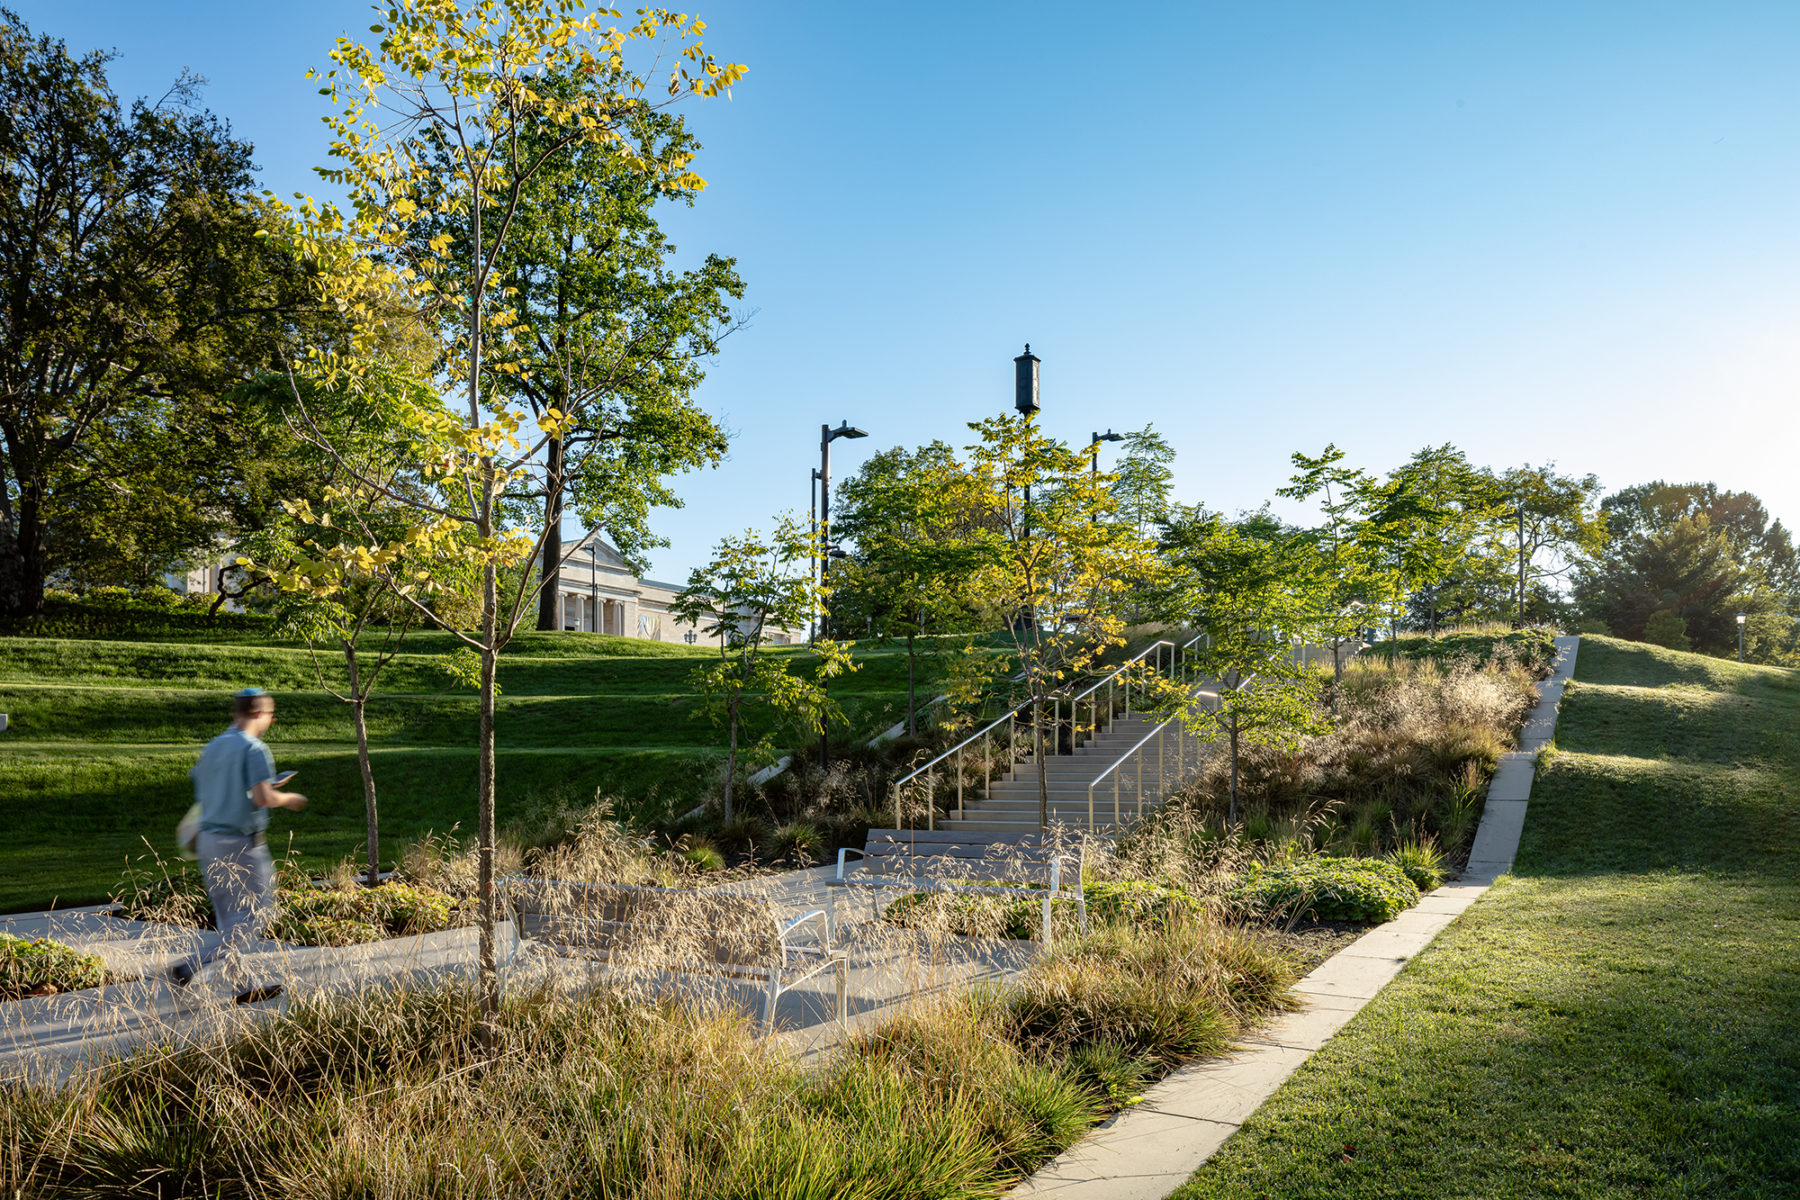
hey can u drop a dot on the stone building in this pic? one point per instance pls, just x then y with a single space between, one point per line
600 593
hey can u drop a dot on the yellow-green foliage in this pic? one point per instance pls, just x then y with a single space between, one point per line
41 966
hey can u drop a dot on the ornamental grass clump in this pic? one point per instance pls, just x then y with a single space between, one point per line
42 967
1171 994
1415 742
1135 901
392 1094
1365 890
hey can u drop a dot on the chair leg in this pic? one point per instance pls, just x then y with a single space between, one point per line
773 994
843 1003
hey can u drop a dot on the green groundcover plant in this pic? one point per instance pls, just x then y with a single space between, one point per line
339 915
1365 890
41 967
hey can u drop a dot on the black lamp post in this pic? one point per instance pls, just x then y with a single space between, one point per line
827 551
1096 439
1740 618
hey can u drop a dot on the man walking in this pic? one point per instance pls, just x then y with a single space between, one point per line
235 786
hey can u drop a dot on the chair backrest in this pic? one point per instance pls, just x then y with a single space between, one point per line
657 926
990 856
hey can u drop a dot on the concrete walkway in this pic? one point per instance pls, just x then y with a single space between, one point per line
1150 1149
51 1036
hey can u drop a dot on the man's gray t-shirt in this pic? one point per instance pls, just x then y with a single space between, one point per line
232 764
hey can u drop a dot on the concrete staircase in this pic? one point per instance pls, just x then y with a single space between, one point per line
1011 805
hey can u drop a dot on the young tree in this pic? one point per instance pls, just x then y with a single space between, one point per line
1143 479
1552 521
136 288
1246 584
1056 561
447 113
1455 502
606 329
1352 543
912 517
750 586
343 568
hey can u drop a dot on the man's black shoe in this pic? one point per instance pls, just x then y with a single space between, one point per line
182 974
257 995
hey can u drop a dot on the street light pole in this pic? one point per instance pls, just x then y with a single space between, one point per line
1740 619
827 435
814 568
1094 465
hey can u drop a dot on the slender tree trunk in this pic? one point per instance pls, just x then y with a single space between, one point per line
359 713
912 707
1043 767
1520 624
731 763
489 980
550 570
1231 815
484 810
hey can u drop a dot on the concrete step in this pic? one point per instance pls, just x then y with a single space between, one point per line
1066 787
976 826
1015 812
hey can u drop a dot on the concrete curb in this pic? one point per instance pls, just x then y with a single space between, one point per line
1150 1149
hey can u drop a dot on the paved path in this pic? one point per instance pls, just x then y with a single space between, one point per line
53 1035
1151 1149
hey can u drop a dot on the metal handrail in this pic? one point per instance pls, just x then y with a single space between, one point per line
1155 734
1156 645
1027 704
952 750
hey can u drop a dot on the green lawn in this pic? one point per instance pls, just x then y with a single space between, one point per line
103 732
1621 1016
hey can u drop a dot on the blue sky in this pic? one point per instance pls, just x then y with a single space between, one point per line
1559 231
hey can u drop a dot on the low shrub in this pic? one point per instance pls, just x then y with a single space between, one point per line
701 854
1366 890
121 617
1423 863
44 967
795 842
307 915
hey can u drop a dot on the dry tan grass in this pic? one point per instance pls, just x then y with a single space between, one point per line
1409 761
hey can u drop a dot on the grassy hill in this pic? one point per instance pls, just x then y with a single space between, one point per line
1618 1016
103 732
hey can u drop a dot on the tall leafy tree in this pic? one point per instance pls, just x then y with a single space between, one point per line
137 286
1551 522
1144 478
1455 502
1682 561
1352 542
438 116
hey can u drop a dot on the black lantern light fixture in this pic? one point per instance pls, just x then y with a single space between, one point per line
1025 382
